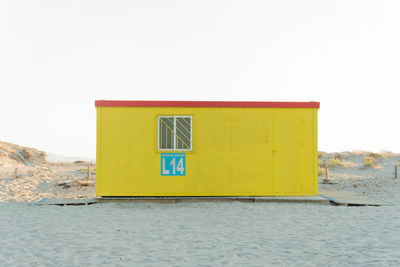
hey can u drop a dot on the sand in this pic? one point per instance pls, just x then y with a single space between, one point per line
26 176
198 234
371 181
32 183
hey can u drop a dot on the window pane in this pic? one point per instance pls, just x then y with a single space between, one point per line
183 133
166 133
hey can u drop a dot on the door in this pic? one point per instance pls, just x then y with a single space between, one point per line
287 154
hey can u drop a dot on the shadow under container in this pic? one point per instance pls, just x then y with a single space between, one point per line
199 148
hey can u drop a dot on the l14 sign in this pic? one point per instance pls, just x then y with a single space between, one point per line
173 164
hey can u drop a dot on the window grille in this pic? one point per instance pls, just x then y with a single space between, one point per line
175 133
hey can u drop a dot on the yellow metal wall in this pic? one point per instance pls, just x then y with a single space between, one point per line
236 152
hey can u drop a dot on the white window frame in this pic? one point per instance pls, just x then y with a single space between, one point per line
174 133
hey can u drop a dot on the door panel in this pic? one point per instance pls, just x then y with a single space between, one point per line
287 154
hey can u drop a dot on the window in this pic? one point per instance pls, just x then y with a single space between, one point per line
175 133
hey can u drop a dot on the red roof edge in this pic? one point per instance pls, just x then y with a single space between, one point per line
222 104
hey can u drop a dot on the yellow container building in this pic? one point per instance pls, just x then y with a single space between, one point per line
196 148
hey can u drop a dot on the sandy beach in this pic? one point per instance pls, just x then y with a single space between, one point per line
196 234
199 234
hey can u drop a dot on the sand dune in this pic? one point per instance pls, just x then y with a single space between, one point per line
26 176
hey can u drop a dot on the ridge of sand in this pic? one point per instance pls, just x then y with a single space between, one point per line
11 154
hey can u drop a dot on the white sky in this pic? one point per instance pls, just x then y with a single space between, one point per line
57 57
